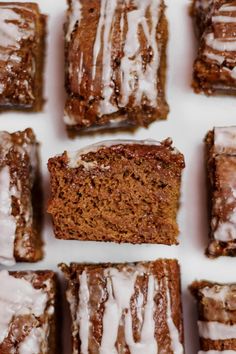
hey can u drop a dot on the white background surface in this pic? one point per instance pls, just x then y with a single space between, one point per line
191 116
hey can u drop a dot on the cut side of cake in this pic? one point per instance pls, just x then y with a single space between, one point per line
115 55
20 198
125 308
217 316
22 32
120 191
28 312
221 173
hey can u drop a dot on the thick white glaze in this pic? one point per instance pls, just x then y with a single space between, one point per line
18 297
225 140
217 352
83 313
216 331
33 342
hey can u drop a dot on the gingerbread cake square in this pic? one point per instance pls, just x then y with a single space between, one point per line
28 312
115 53
215 66
20 198
119 191
22 31
125 308
217 316
221 173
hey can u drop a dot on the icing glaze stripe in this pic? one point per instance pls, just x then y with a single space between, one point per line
216 330
217 352
83 313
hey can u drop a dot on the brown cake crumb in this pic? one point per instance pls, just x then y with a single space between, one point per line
120 191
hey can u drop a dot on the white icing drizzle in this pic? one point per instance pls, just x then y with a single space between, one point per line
7 221
217 293
83 313
75 14
217 352
224 19
176 345
135 80
18 297
226 7
80 70
220 45
32 343
107 13
225 140
215 57
216 330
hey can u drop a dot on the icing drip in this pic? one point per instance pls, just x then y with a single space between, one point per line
83 313
135 79
7 221
17 298
216 330
103 35
176 345
75 16
32 343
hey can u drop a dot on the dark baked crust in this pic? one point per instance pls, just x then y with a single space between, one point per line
221 169
22 57
215 63
19 153
21 325
85 89
166 298
216 304
126 192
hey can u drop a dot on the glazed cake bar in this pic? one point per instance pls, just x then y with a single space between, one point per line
22 30
115 53
215 66
125 308
119 191
217 317
20 198
27 312
221 171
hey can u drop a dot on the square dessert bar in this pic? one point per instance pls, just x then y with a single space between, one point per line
221 173
22 30
20 198
125 308
115 54
119 191
28 312
215 65
217 316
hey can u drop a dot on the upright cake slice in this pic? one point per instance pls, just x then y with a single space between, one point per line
115 54
125 308
215 66
221 170
27 312
120 191
20 198
22 30
217 317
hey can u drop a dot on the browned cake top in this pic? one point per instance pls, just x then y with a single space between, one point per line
113 51
217 315
18 165
216 20
27 302
129 308
18 38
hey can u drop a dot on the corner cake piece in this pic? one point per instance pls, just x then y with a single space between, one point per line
221 170
115 53
20 198
22 31
28 312
217 316
215 66
125 308
120 191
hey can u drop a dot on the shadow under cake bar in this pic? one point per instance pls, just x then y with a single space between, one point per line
215 66
28 312
115 54
221 173
120 191
20 198
125 308
217 317
22 30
